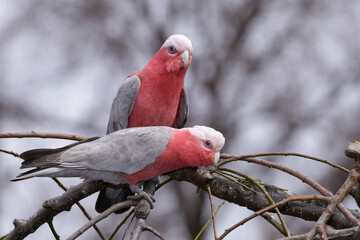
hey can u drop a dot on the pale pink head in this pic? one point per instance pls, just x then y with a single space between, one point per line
175 53
211 139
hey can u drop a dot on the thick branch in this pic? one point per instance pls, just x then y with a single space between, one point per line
220 187
53 207
233 192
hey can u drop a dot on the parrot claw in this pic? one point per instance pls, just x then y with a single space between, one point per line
142 195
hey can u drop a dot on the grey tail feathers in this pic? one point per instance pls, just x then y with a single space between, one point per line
37 172
38 158
31 156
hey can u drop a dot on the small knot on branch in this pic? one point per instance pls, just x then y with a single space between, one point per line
353 150
49 204
205 173
54 205
19 222
20 225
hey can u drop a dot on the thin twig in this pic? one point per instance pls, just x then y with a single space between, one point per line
234 193
53 207
240 178
163 183
212 211
106 213
347 232
153 230
296 174
3 237
33 134
128 226
141 226
268 208
225 175
120 225
10 152
226 156
276 224
322 232
344 190
57 237
208 221
263 190
81 207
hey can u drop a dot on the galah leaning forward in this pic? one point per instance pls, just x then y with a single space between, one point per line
127 156
152 96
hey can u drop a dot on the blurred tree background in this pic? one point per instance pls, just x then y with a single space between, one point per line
271 75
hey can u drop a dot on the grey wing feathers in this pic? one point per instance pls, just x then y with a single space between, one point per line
126 151
123 103
183 110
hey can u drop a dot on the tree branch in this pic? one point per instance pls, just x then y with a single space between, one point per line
212 211
233 192
10 152
142 226
345 189
268 208
294 173
86 214
220 187
106 213
53 207
33 134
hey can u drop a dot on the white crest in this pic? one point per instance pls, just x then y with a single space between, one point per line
180 42
207 133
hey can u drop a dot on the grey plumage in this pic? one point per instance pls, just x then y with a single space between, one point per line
123 104
182 117
126 151
119 114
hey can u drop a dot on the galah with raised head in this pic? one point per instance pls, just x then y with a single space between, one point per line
152 96
128 156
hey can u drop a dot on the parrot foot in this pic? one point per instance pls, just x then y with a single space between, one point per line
140 194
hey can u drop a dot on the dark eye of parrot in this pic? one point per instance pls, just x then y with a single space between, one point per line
172 49
208 144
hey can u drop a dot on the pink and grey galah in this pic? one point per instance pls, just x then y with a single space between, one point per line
155 95
152 96
127 156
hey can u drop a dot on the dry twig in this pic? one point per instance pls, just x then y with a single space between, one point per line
142 226
87 215
106 213
53 207
212 211
33 134
268 208
294 173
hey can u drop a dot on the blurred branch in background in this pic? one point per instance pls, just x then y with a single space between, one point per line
271 75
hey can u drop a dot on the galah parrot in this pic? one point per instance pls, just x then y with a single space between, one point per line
152 96
128 156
